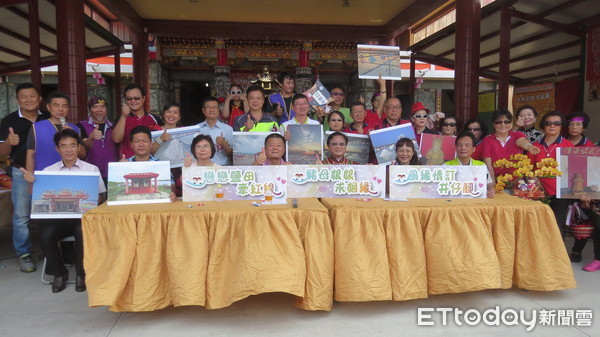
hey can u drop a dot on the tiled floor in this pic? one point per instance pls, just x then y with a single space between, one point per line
28 308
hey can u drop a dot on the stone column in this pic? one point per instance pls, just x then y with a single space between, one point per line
221 82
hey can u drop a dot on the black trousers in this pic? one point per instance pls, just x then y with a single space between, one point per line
580 243
51 232
560 207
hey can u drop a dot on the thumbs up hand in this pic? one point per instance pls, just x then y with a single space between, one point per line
262 158
187 162
125 110
318 160
221 140
97 134
165 136
249 124
123 158
13 138
28 176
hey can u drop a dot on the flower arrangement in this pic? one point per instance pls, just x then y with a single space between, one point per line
523 180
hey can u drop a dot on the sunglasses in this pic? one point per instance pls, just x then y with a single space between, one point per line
503 122
337 94
137 98
338 144
420 116
474 129
236 92
548 123
449 124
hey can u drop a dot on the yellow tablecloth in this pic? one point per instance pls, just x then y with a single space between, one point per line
393 250
147 257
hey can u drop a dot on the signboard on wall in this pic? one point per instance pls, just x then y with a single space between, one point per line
539 96
593 54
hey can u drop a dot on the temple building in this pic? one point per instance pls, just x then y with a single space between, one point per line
139 183
64 201
468 57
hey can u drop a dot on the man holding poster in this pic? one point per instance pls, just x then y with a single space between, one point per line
392 109
67 143
300 104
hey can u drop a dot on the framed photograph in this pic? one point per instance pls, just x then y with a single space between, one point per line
247 146
176 149
63 195
305 145
144 182
580 174
358 149
437 149
384 141
376 60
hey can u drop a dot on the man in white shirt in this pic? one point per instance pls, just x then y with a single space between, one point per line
67 143
301 108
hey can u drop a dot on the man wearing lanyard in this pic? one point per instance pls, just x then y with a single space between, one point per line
280 103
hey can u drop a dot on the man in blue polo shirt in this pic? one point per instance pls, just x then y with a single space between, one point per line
221 133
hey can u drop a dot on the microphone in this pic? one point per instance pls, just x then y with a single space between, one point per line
63 122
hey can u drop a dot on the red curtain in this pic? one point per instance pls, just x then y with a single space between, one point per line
567 95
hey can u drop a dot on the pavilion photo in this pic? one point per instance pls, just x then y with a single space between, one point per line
138 182
57 195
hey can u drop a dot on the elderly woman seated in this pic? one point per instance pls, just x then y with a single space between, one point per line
203 148
273 152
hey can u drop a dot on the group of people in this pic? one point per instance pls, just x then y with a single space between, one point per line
38 140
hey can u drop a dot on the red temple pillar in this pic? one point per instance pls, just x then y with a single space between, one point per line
141 68
504 64
126 186
303 71
34 44
155 184
412 81
303 57
70 31
466 83
221 54
117 84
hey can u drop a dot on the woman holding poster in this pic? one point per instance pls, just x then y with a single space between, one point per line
552 123
405 153
203 148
